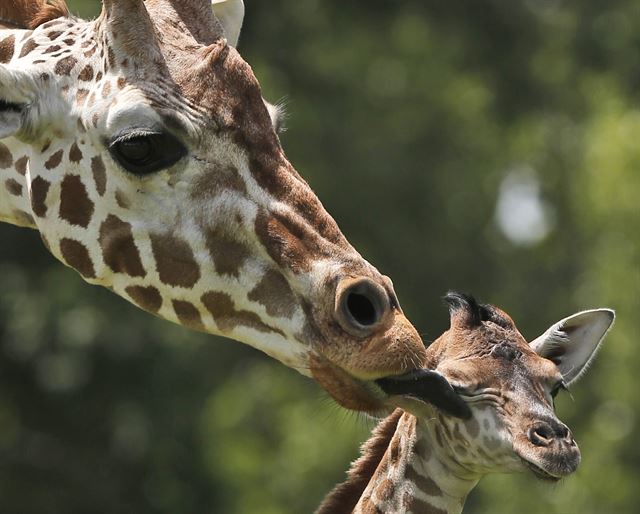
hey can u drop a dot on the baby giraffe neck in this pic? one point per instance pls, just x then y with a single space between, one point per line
414 476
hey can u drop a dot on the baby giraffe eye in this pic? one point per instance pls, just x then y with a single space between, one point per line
146 153
463 390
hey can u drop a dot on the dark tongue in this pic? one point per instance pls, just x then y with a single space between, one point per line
430 387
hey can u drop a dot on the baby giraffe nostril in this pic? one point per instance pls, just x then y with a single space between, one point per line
545 433
541 434
567 438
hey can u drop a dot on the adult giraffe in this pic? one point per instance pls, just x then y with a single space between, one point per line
140 147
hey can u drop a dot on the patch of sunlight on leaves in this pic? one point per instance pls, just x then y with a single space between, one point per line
522 214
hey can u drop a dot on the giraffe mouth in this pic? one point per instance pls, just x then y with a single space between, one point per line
429 387
540 473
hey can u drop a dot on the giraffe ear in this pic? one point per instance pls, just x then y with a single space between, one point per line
572 342
231 14
16 92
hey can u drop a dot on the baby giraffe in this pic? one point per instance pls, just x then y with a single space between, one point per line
422 460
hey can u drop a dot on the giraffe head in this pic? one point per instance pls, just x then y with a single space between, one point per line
148 161
509 386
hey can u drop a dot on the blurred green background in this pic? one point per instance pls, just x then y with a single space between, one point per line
488 146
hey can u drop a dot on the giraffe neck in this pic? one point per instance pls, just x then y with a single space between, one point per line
415 474
43 185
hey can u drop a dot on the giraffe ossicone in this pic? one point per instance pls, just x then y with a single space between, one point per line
140 147
425 461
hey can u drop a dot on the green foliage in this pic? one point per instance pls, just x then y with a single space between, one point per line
406 118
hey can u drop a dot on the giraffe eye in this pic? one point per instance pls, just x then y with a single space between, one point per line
146 153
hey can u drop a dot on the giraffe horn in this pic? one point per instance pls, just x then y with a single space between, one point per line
130 21
176 19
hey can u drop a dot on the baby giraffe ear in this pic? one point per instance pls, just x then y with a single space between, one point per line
17 91
572 343
231 15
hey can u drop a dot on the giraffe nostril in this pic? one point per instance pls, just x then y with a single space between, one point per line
541 434
563 432
361 305
545 433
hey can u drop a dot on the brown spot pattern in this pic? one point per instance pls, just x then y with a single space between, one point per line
28 47
224 313
273 291
228 255
122 200
6 159
75 205
77 256
217 179
21 165
39 190
119 249
86 74
386 490
75 155
369 507
288 242
188 314
99 174
54 160
7 48
424 484
147 298
65 65
81 96
175 262
13 187
394 451
111 57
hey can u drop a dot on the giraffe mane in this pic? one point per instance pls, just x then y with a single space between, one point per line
29 14
344 497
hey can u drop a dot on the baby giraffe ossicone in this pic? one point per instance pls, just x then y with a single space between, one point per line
422 460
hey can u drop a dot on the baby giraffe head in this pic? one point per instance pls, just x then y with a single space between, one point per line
509 386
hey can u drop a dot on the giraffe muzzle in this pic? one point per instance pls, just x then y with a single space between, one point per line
427 386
